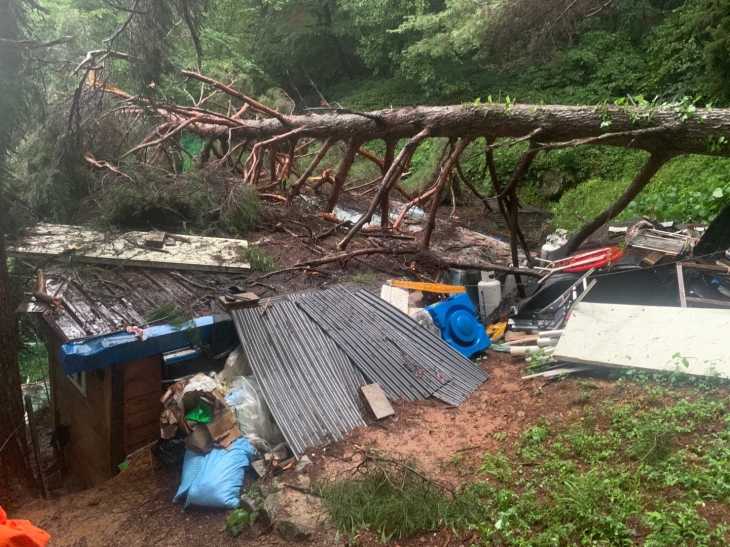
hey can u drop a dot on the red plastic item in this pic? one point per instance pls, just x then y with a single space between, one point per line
20 533
597 258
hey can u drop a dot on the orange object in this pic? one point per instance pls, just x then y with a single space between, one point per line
21 533
428 287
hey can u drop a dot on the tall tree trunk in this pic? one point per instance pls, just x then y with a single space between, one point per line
13 455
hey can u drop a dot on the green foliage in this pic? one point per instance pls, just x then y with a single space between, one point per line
242 216
237 520
395 500
364 278
612 477
169 314
258 260
688 188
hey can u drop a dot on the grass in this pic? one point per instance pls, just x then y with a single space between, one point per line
259 261
393 499
364 278
648 464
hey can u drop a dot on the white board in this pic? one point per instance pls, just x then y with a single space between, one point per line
127 249
648 337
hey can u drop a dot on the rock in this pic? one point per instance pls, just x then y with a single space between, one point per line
304 482
303 464
293 531
270 508
248 504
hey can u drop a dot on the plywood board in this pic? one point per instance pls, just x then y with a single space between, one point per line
693 340
128 249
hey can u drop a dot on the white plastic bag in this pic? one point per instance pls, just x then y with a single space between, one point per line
247 403
236 365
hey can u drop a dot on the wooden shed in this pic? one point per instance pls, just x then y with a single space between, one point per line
105 382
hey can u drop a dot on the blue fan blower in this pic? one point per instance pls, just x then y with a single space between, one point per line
457 319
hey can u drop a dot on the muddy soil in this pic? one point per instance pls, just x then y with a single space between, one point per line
135 509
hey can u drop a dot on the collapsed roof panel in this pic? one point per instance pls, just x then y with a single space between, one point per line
463 375
98 301
390 348
129 249
308 382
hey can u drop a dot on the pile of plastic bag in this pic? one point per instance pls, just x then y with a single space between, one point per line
226 425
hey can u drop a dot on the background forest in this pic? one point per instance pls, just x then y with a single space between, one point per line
371 54
298 55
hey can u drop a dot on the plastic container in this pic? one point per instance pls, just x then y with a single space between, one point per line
490 294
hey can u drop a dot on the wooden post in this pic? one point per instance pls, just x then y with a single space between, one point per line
34 441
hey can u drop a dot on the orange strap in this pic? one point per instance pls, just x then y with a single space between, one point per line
428 287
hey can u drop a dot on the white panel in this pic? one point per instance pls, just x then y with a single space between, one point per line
648 337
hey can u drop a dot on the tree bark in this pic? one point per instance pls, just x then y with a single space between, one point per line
663 131
641 180
347 161
385 202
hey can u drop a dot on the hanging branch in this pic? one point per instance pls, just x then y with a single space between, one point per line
410 204
389 180
471 187
347 161
436 201
640 181
312 166
385 201
255 105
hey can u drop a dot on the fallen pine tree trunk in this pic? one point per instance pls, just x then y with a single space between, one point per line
662 131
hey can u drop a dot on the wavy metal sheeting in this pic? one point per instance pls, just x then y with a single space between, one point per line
390 348
464 376
309 384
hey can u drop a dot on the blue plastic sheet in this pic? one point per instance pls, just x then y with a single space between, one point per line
215 479
103 351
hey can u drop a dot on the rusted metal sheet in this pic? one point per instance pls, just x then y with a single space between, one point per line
128 249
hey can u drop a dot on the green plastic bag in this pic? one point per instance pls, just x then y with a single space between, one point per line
200 413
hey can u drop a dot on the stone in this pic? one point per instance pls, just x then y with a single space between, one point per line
260 467
304 482
376 401
303 464
293 531
270 508
248 504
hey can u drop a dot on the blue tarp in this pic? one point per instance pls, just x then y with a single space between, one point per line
104 351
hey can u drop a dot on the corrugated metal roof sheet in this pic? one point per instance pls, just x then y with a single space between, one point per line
391 348
309 384
464 376
102 301
371 344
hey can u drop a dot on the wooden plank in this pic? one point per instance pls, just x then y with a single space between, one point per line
653 258
202 253
648 337
143 387
709 301
680 283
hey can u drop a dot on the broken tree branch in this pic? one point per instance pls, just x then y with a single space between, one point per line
312 166
443 175
641 180
345 256
389 180
347 161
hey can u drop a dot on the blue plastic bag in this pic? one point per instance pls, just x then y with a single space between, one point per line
192 464
219 478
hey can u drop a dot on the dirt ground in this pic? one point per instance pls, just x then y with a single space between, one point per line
135 508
